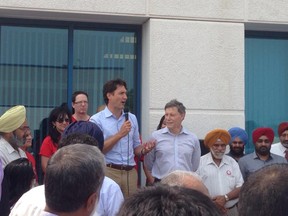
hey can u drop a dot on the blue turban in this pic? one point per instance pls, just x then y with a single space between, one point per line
85 127
240 133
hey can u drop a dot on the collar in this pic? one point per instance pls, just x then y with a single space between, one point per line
211 161
166 130
255 156
7 145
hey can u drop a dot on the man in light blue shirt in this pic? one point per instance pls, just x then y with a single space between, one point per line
121 137
177 148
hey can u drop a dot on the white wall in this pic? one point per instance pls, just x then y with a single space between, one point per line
192 50
199 63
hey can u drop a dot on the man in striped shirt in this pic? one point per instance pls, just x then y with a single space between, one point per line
221 173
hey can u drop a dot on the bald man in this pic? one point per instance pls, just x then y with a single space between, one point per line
220 173
185 179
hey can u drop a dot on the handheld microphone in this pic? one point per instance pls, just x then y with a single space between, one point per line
126 111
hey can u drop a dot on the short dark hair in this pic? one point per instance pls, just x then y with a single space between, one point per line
174 103
85 127
168 201
111 86
78 138
265 193
74 95
73 174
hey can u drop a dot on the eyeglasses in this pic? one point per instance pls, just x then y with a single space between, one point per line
61 120
81 102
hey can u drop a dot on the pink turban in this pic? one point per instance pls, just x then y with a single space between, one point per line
258 132
282 127
212 137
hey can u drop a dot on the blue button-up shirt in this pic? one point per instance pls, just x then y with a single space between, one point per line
123 151
251 163
173 152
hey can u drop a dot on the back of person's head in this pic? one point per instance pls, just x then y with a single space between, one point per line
18 178
78 138
73 179
163 200
186 179
265 193
85 127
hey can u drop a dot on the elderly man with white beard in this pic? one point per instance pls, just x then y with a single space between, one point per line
220 173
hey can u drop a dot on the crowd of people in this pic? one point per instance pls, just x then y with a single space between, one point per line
88 163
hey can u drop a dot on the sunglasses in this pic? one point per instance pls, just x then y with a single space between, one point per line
61 120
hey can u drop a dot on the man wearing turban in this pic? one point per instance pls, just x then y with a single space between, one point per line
239 139
220 173
281 148
261 157
13 127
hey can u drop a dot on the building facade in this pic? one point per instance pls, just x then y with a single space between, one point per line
195 51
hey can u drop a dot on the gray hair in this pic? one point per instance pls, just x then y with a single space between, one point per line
176 178
174 103
73 173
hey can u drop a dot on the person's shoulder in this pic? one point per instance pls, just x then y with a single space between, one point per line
110 187
110 183
245 158
97 115
278 158
275 145
35 198
47 139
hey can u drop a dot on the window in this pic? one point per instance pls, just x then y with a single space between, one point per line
266 77
42 63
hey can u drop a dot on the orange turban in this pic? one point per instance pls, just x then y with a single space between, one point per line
212 137
282 127
258 132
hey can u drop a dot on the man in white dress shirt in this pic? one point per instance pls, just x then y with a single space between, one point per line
221 173
73 179
281 148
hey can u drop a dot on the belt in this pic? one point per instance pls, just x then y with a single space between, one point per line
120 167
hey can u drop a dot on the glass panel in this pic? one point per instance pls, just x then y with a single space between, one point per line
33 70
100 56
266 87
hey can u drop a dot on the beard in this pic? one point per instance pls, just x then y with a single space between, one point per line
217 155
16 142
263 150
285 144
237 151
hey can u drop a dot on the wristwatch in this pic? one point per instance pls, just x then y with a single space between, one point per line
226 197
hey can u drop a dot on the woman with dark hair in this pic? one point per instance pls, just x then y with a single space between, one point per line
18 179
162 123
59 119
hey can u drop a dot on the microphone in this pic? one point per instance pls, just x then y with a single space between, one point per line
126 111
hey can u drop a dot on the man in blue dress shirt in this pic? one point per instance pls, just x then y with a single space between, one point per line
121 137
177 148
